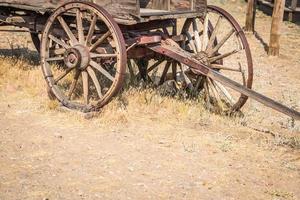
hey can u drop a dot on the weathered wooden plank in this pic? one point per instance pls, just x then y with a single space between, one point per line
118 8
124 11
161 4
174 5
200 6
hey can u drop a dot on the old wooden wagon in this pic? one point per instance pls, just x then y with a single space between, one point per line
85 47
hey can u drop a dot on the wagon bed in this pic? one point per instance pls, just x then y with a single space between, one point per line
125 12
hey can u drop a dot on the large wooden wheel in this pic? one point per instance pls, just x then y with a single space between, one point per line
224 49
83 56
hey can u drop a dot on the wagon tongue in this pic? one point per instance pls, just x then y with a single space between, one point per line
171 49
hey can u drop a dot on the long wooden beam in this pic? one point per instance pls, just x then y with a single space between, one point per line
168 48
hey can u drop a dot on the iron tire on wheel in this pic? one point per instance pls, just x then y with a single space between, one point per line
212 44
86 46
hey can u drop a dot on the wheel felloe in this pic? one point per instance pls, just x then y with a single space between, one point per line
219 42
83 56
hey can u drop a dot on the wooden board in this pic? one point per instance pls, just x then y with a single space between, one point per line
174 5
119 7
124 11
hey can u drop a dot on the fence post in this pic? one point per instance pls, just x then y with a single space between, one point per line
277 19
293 9
250 16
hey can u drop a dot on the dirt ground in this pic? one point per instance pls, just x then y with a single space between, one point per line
144 146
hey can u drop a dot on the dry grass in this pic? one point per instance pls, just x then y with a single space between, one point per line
24 82
21 78
165 144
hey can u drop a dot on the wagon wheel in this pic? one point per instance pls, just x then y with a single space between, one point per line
83 56
226 50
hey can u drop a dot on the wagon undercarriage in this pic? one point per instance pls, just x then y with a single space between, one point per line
85 52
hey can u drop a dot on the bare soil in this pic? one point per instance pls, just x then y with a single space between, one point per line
144 146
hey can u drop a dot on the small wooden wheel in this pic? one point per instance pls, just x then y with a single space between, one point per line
83 56
224 49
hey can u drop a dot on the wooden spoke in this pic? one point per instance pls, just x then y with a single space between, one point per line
73 84
54 58
215 93
50 43
225 92
165 30
199 83
174 70
154 65
85 83
187 80
59 42
205 33
59 51
191 43
95 81
91 29
62 75
174 28
183 43
183 37
196 35
219 57
243 73
131 71
163 76
102 70
95 55
100 40
79 26
66 28
207 96
142 65
221 43
214 34
221 67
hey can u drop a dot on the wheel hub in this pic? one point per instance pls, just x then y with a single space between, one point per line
77 56
203 58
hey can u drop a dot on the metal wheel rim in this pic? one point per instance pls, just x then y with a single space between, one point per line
120 50
242 99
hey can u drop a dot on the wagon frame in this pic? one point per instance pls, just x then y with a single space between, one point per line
85 48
